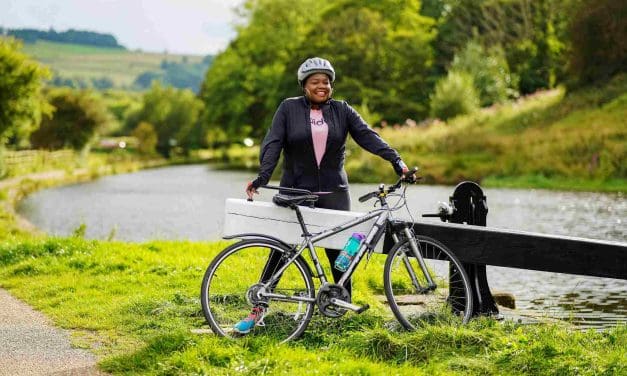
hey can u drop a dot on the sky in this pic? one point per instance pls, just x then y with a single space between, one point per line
197 27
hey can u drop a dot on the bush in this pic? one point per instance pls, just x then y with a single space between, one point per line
78 116
146 138
489 71
454 95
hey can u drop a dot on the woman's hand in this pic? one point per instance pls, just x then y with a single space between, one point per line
410 175
250 190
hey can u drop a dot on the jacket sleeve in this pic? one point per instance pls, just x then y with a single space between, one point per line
271 147
368 138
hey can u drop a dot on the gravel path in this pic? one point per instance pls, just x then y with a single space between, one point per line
30 345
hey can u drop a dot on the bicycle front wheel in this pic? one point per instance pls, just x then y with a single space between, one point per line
413 298
230 286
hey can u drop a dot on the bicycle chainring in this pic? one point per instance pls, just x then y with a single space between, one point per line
324 296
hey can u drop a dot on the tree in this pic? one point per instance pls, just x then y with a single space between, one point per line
21 101
174 114
599 42
381 52
241 88
77 117
532 34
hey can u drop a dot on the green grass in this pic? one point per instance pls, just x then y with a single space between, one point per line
122 66
135 304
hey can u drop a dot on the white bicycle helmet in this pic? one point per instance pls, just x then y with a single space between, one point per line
315 65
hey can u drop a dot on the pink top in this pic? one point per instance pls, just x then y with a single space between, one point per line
319 133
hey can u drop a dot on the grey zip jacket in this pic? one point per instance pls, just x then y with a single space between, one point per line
291 133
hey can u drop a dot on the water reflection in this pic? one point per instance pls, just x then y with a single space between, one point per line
187 202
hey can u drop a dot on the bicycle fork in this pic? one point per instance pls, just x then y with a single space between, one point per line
415 251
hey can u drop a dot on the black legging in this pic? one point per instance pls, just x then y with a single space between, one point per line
336 201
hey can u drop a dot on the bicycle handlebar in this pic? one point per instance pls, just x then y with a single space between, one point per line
409 177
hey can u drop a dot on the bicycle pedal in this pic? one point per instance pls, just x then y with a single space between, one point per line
363 309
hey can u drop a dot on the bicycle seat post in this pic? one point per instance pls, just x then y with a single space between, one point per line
301 221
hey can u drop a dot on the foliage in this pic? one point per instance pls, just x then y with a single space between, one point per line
533 35
381 53
21 101
241 88
599 45
146 138
489 71
78 116
174 114
454 95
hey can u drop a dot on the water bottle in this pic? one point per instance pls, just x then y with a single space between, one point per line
349 251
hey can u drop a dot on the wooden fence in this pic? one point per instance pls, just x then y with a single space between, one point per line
31 159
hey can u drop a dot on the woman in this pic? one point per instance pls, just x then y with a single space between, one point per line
311 131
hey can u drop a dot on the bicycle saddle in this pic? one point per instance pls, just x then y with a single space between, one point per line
289 201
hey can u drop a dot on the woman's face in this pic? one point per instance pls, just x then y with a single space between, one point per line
318 88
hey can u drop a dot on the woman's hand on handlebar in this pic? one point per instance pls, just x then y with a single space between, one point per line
251 190
409 176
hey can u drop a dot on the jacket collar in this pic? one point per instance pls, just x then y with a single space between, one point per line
308 104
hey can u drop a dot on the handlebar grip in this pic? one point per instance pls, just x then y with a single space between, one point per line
367 196
432 216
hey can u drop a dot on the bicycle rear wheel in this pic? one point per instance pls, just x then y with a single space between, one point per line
411 298
228 291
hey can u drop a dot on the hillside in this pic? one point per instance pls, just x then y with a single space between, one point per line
552 139
80 65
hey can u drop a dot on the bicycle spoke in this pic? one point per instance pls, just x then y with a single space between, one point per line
406 285
230 291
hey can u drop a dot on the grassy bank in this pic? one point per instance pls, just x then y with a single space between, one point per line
553 139
135 304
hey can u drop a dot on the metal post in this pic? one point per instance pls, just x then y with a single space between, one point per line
471 207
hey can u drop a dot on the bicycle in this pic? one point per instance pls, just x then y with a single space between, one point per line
423 280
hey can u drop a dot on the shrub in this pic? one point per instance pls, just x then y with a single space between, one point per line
489 71
78 116
146 138
454 95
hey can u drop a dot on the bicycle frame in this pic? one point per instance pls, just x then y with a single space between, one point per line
374 235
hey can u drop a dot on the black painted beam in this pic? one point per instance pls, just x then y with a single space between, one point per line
526 250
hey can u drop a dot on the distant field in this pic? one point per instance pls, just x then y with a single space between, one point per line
121 66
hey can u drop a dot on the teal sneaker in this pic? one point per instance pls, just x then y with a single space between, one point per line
254 319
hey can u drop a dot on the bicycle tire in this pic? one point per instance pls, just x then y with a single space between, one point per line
233 271
412 306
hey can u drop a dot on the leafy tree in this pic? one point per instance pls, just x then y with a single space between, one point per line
599 40
381 52
532 33
146 138
454 95
489 71
78 116
173 113
241 88
21 101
